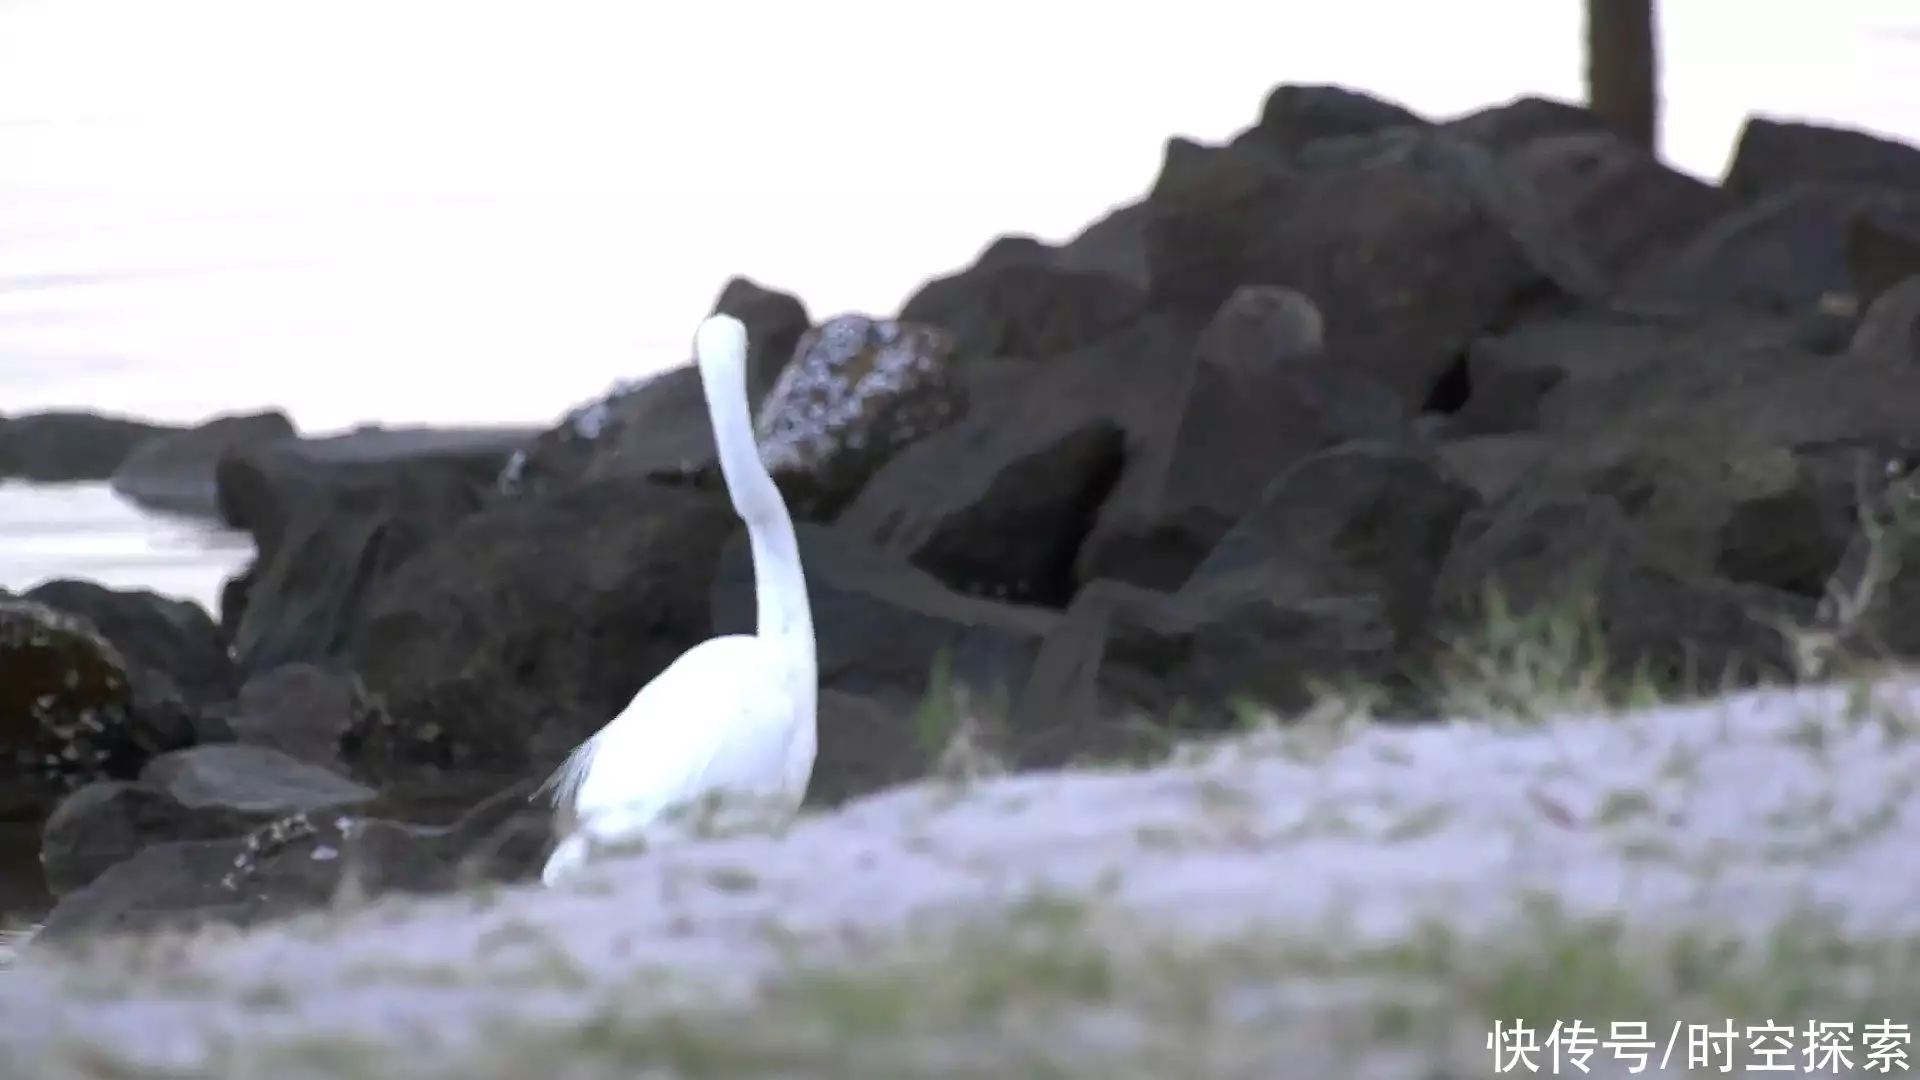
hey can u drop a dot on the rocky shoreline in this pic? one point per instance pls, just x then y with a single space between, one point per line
1450 418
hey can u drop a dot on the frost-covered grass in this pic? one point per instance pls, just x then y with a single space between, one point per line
1330 899
1070 988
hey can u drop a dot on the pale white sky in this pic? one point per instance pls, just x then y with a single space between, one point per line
566 180
386 95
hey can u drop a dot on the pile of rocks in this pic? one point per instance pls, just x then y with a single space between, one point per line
1287 421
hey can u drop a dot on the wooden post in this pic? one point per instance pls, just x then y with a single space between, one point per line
1623 69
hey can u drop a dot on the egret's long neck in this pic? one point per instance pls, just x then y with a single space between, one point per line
779 584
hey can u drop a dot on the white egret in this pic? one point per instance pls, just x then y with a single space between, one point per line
725 737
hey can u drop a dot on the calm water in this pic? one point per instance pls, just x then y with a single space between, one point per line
417 211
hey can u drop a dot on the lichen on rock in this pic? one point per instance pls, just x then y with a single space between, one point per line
574 435
857 391
66 700
277 835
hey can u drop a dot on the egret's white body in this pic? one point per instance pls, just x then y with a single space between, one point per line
725 737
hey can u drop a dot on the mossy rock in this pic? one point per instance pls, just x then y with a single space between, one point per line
66 705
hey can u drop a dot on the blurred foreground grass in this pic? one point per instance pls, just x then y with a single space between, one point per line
1066 987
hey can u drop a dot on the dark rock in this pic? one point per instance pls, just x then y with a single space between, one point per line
775 323
1369 520
109 822
994 506
1295 115
1891 327
530 625
332 518
1620 205
298 862
1693 530
67 711
264 488
1025 307
175 638
1492 464
1013 249
303 711
1400 256
1258 399
1124 382
69 447
1514 124
175 471
1773 156
1546 556
1115 245
1784 252
865 746
657 426
503 838
1881 253
1328 579
882 626
165 886
1127 669
1582 372
1793 534
1261 328
201 793
249 780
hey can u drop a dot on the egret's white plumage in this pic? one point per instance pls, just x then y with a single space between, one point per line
725 737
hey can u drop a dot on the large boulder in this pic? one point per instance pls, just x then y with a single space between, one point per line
1771 156
70 712
303 711
1695 498
1054 432
175 471
997 505
1521 120
1890 329
1619 205
1787 251
331 518
1882 251
1115 245
1016 301
172 640
528 626
650 427
69 447
201 793
1258 396
298 862
1397 254
1327 579
1561 570
1296 115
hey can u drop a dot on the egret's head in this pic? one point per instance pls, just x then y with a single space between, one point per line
721 346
